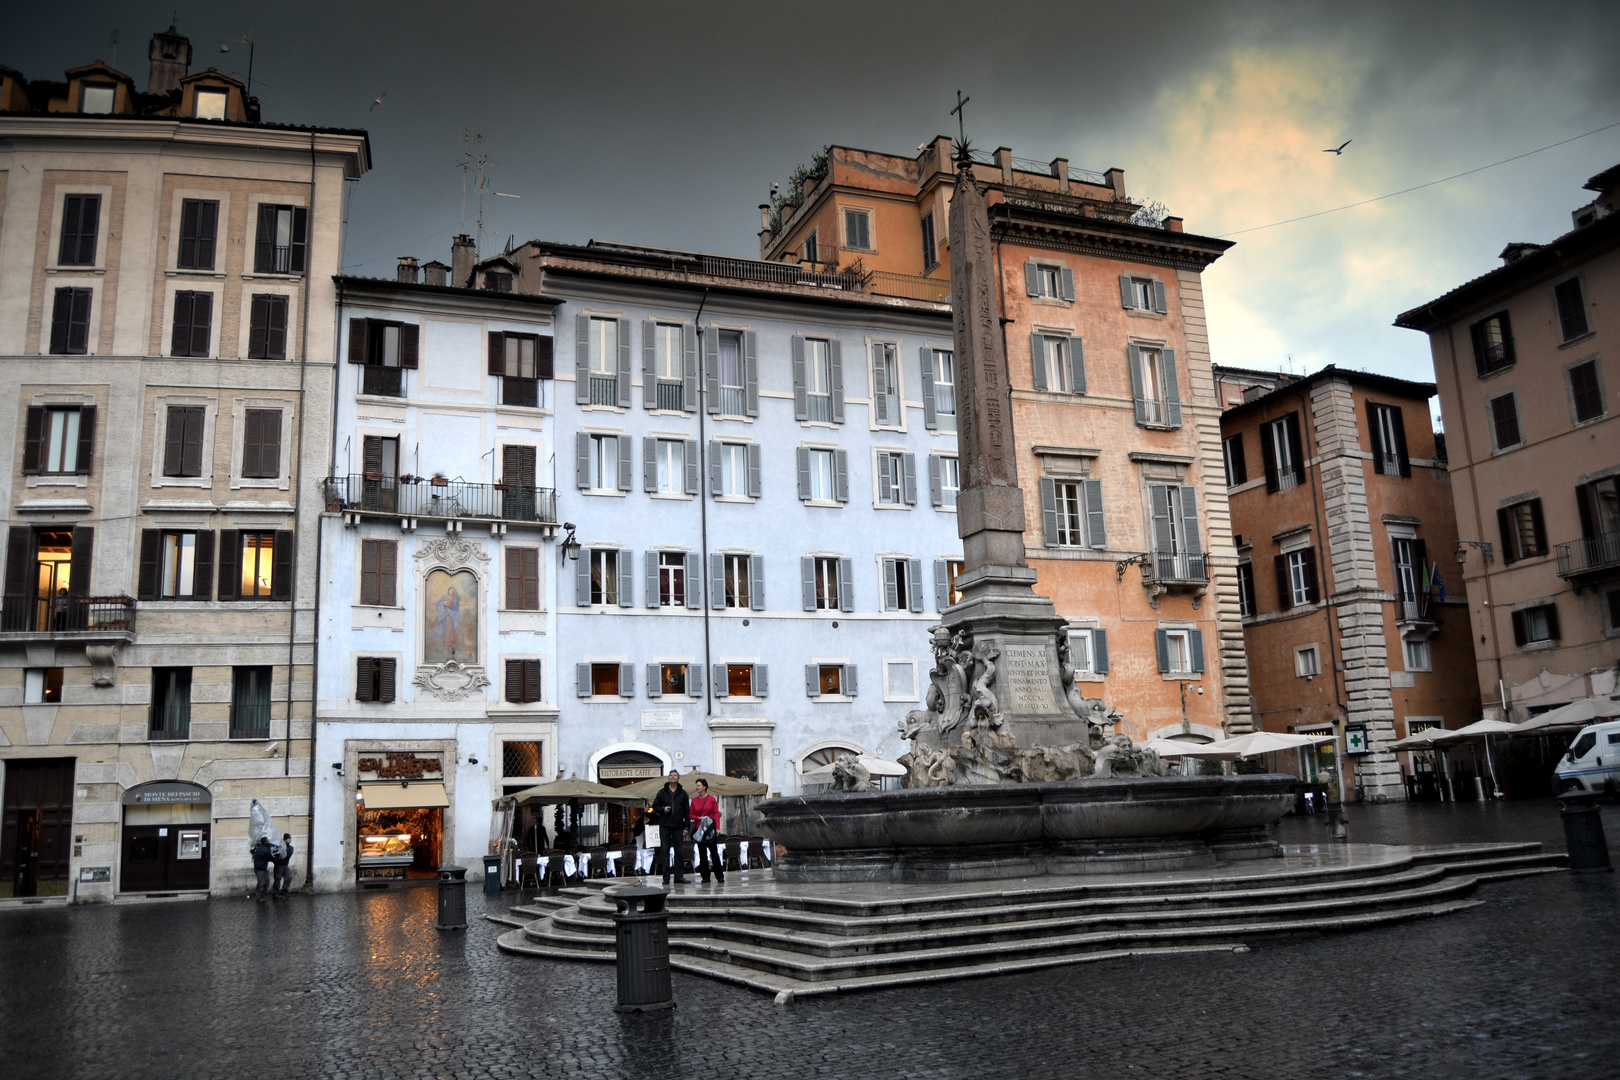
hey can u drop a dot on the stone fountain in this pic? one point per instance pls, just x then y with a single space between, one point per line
1012 770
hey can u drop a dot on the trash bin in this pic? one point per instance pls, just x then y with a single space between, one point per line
1583 833
452 898
492 875
641 940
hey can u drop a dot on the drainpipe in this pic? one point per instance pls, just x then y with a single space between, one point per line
298 518
703 506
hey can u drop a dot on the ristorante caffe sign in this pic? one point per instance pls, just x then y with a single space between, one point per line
399 766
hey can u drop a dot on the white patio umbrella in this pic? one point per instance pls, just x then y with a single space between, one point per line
1484 729
1269 742
874 766
1572 717
1167 748
1427 739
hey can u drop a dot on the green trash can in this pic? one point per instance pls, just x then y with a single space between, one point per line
641 941
452 898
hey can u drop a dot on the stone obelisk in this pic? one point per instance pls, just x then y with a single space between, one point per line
1000 613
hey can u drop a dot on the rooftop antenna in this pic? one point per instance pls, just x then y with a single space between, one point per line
245 39
115 48
473 157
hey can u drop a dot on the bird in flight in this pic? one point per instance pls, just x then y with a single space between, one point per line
377 101
1340 148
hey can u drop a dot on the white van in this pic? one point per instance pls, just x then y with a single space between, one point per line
1593 761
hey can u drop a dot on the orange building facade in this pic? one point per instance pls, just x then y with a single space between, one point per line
1113 402
1342 510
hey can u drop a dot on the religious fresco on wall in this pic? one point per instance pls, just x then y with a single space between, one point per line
450 615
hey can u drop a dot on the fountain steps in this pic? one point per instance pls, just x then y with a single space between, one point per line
800 940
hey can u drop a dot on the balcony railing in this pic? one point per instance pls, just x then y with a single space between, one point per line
250 720
520 392
887 283
1590 555
1412 608
419 498
604 389
86 615
671 395
1180 566
382 381
1155 411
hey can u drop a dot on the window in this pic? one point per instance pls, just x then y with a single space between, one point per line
1142 294
178 577
1599 506
258 565
671 578
1281 453
902 584
604 575
896 478
1388 433
739 680
199 226
280 243
1237 468
603 347
1524 535
183 440
1613 598
70 322
523 682
42 686
735 469
193 323
668 474
1181 652
96 98
379 562
1418 657
267 327
57 440
818 381
521 361
1493 343
255 565
385 349
1058 363
175 565
829 680
671 680
811 248
1245 582
1155 385
1505 421
1088 650
1177 546
1296 578
857 229
1586 396
1055 282
738 587
953 570
886 386
818 475
732 373
742 762
1072 512
930 246
380 462
522 760
1534 625
1571 309
1307 663
669 366
170 712
603 463
939 386
944 479
250 703
261 444
497 281
603 680
522 579
1412 577
81 224
374 678
827 583
210 104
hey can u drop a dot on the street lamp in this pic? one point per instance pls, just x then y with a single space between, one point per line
570 546
1482 546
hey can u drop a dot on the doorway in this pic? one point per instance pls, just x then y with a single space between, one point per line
621 770
165 847
36 831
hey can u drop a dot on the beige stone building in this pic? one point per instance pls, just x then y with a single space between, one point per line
1527 362
166 358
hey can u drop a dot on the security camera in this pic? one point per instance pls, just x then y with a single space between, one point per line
271 749
472 760
337 766
568 525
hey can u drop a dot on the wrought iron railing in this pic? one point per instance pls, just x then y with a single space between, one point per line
911 286
23 614
172 721
733 401
250 720
519 391
1588 555
382 381
604 390
671 395
1179 566
1154 411
1411 608
784 273
418 497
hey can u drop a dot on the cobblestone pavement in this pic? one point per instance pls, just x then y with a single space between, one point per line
361 985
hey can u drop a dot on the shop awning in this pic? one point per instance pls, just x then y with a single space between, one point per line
418 795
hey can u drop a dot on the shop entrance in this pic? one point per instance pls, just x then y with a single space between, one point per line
36 831
165 837
399 831
621 770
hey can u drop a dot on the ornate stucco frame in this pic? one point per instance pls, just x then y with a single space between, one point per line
451 680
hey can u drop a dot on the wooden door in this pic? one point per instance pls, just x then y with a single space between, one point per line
36 832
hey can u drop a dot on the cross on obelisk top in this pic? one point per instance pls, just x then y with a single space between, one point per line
961 128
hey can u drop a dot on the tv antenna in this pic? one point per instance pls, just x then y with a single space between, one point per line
245 39
473 159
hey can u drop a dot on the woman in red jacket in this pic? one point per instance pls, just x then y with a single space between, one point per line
704 847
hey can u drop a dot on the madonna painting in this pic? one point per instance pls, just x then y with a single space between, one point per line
450 614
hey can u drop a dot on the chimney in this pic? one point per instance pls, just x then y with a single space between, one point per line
1115 178
1004 163
1173 224
1060 169
407 269
171 59
462 254
434 272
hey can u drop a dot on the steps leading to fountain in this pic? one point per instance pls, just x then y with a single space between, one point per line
801 939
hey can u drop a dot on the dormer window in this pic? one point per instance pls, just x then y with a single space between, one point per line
97 98
210 104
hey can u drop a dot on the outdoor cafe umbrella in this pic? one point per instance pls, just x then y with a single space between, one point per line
1269 742
1484 729
725 786
874 766
1571 717
1177 748
574 791
1428 739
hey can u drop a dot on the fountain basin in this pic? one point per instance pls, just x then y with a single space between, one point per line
979 832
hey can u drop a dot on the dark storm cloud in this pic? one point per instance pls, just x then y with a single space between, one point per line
666 123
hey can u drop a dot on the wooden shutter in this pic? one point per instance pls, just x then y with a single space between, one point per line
174 442
801 456
497 365
756 582
582 460
908 478
146 587
851 684
528 597
410 341
755 480
281 566
1313 589
942 585
689 461
1295 450
807 582
835 364
191 449
1032 278
61 309
624 368
717 581
300 244
582 359
1077 366
252 425
655 681
1240 463
1099 651
230 564
582 680
1172 388
365 686
202 578
514 681
622 444
1134 357
891 586
19 577
1163 537
880 386
846 584
386 677
369 558
1161 639
259 327
1285 591
751 372
1399 422
722 685
1540 527
180 333
885 483
649 463
812 680
518 465
914 586
841 475
1127 293
1049 511
1195 638
1158 297
531 681
544 364
1191 542
936 483
275 345
1268 455
358 344
649 364
689 368
34 440
582 579
627 579
650 583
269 444
925 363
202 323
761 681
694 581
627 680
801 394
78 338
1553 631
1519 632
264 250
1067 275
82 551
206 230
1096 520
1037 360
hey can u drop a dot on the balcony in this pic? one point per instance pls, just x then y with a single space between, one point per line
1413 609
70 618
415 497
382 381
1591 556
1180 568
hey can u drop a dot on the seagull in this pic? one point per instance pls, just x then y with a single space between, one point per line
377 101
1340 148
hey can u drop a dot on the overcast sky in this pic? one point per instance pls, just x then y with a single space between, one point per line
665 123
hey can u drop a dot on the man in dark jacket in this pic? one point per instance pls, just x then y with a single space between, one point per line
263 856
282 877
671 812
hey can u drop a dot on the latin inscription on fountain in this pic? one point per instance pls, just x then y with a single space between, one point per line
1027 683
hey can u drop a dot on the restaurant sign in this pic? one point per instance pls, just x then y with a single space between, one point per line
628 772
399 767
